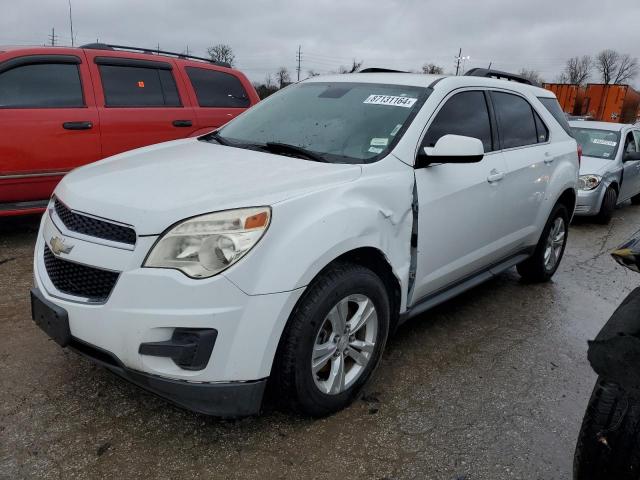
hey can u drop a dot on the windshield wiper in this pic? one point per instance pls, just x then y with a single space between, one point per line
277 147
216 136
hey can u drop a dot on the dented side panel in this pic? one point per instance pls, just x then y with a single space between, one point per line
309 232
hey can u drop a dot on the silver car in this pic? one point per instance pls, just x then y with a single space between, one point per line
610 167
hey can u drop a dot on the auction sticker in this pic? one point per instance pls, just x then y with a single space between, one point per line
391 100
599 141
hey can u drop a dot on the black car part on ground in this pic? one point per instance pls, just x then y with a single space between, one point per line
615 352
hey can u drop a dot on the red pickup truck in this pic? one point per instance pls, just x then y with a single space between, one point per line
61 108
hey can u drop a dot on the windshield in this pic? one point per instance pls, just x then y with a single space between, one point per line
597 143
333 122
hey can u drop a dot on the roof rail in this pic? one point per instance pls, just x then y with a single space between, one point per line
485 72
380 70
106 46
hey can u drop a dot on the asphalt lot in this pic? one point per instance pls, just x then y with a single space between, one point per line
491 385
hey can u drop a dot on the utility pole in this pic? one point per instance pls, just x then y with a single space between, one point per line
53 37
458 58
299 57
71 22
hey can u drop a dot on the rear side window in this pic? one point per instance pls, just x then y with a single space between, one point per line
138 87
217 89
517 123
554 108
465 114
48 85
541 128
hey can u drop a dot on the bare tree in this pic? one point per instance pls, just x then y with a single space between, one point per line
432 69
615 67
222 53
607 63
282 77
627 69
577 70
355 66
532 75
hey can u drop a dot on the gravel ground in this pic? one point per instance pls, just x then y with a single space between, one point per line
491 385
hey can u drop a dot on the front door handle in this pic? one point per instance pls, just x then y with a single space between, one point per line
182 123
77 125
495 176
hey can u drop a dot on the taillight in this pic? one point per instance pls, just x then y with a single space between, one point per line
579 154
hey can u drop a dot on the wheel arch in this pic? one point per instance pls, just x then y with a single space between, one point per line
368 257
568 198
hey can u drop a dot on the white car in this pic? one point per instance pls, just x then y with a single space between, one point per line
287 245
610 167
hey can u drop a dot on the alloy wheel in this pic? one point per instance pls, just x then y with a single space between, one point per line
344 344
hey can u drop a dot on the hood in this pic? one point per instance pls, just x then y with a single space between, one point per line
596 165
153 187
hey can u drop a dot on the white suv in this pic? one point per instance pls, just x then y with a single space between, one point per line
287 245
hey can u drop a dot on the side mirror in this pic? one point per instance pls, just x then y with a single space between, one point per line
630 156
451 149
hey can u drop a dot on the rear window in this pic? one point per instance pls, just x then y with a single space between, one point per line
554 108
49 85
126 86
597 143
217 89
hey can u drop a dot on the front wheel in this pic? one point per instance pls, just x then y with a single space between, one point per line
333 341
608 445
545 260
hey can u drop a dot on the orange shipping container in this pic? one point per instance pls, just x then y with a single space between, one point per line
611 103
569 95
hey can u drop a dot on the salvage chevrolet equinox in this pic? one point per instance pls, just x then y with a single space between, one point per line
285 246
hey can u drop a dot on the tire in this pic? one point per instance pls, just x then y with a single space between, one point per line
537 268
608 206
608 445
635 200
310 332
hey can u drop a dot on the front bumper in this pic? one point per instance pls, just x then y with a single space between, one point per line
223 399
589 201
148 305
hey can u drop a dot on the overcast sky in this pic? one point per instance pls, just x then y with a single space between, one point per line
265 35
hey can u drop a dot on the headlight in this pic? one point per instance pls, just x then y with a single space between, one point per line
204 246
589 182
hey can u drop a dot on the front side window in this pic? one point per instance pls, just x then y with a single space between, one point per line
126 86
217 89
464 114
517 123
597 143
47 85
342 122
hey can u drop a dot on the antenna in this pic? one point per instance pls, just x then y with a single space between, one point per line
71 22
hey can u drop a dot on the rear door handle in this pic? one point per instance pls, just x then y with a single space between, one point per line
77 125
495 176
182 123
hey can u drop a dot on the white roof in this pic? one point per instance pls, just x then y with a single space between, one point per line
421 80
614 127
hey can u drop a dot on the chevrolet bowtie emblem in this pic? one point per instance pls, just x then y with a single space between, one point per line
58 246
